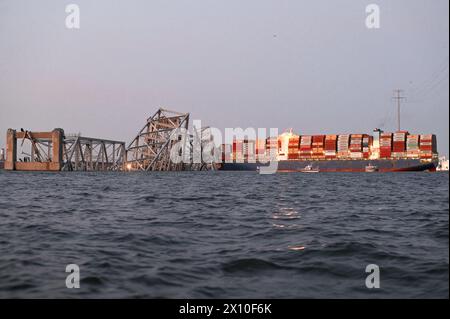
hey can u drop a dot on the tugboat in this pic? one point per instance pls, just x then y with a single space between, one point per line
309 169
443 164
371 168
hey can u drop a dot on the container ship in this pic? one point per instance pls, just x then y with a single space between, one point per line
380 151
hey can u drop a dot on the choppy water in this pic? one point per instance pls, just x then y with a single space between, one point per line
224 234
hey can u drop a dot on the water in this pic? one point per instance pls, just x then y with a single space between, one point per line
224 234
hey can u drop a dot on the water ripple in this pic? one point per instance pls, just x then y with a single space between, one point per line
223 234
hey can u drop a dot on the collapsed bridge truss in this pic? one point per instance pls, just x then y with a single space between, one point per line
53 151
92 154
162 139
150 149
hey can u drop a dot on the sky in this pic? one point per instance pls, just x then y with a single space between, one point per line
312 66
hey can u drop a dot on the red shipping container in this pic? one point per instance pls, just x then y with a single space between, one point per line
330 145
318 138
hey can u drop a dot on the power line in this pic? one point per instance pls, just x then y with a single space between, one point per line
435 84
436 78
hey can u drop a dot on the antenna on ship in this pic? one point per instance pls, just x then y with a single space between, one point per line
398 96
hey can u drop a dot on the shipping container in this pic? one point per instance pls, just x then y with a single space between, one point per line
385 145
330 145
428 143
343 142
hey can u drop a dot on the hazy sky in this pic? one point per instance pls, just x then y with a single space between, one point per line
309 65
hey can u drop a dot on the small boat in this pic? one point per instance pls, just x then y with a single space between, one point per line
371 168
309 169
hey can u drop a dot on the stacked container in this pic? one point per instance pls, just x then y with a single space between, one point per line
342 146
261 148
412 146
305 146
399 144
385 145
330 146
248 149
366 144
356 146
293 150
227 153
238 149
318 142
427 146
272 145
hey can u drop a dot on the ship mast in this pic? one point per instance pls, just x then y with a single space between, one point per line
398 96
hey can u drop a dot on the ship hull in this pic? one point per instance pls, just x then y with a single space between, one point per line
388 165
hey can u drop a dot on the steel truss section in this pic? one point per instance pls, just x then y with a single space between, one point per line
92 154
163 133
53 151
